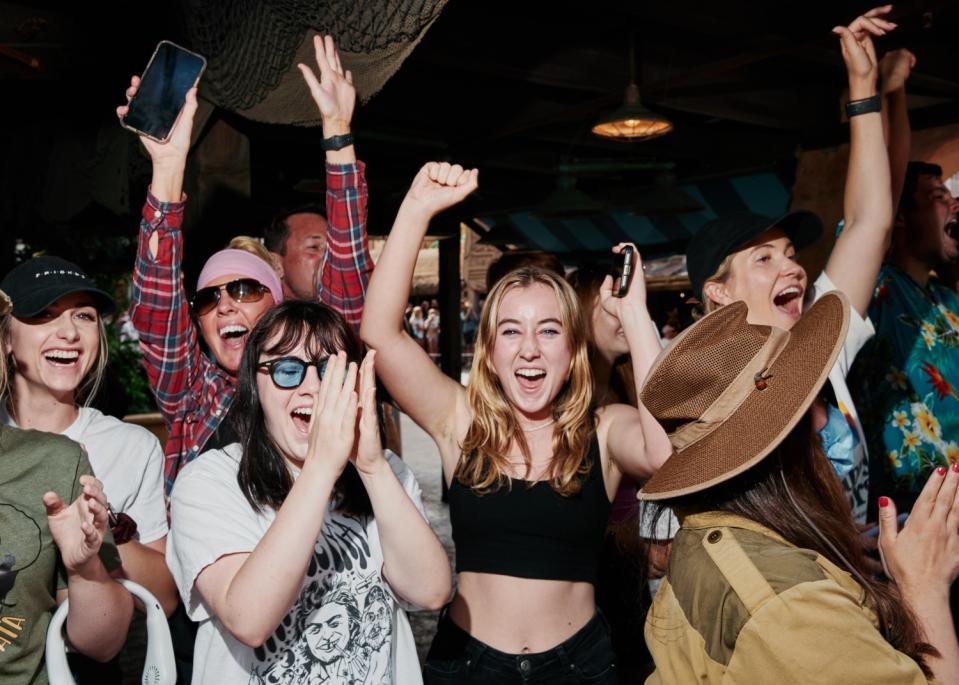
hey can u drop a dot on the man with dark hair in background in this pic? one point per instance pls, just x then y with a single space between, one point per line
296 239
904 380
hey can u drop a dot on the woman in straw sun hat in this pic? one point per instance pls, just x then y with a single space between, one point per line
766 582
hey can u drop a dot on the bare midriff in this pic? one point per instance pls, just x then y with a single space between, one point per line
521 615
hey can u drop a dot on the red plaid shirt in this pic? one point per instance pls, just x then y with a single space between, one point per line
192 392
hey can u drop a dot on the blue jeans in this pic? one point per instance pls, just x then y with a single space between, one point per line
456 657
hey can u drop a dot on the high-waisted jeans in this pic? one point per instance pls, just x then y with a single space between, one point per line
456 657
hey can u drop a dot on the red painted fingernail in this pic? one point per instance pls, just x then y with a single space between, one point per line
883 501
941 470
955 467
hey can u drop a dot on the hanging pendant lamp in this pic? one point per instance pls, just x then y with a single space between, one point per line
632 122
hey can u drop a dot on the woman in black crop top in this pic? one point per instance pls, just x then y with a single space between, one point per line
532 466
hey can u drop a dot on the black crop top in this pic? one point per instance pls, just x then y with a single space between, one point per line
530 531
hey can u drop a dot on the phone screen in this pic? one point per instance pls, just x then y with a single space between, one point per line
163 86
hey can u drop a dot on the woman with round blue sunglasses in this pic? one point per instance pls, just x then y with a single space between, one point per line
311 508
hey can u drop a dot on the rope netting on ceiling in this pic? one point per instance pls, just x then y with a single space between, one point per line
252 48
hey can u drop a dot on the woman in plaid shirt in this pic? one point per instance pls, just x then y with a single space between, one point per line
194 391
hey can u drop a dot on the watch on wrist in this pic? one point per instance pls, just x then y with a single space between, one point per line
864 106
337 142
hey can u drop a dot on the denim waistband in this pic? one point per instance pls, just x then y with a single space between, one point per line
524 664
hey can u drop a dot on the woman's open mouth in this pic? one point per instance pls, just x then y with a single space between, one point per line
789 301
301 418
530 379
234 335
62 358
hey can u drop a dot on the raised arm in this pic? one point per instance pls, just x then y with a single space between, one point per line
100 608
158 307
867 202
432 399
895 68
635 441
346 265
233 586
414 562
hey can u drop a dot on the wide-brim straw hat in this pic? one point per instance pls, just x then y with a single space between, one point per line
728 392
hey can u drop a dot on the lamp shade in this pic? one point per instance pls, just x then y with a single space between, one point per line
632 122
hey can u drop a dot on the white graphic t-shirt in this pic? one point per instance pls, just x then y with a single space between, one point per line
346 626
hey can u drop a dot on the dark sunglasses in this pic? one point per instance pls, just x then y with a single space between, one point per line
289 372
241 290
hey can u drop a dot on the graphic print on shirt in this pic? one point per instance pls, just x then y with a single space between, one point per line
340 629
20 546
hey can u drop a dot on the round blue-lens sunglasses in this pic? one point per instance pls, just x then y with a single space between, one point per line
289 372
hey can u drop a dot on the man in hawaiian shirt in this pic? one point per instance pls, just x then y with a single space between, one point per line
905 379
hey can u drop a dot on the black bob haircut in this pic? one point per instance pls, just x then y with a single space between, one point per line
264 477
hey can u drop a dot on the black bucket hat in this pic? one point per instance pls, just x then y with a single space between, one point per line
36 284
721 237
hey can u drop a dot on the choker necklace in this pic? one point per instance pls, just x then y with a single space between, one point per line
539 427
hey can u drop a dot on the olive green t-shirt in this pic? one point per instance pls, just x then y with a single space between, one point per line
31 464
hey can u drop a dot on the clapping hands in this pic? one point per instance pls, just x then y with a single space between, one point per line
78 529
344 426
924 555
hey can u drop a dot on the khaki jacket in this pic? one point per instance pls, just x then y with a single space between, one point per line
742 605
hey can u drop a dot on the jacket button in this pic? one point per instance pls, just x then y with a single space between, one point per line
714 537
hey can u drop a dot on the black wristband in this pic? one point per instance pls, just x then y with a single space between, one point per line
337 142
864 106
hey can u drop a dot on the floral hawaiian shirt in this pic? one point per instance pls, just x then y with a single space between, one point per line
904 383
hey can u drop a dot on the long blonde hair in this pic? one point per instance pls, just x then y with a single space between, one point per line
484 464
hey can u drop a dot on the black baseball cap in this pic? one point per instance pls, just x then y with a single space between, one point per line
36 284
717 239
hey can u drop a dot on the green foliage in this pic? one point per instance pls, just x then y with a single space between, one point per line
125 380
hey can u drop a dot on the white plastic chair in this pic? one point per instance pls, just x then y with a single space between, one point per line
159 667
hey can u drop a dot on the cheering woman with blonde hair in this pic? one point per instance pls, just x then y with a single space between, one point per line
531 466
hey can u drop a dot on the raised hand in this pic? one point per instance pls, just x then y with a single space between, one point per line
78 529
634 297
332 428
858 51
439 186
175 149
895 68
333 92
369 451
924 555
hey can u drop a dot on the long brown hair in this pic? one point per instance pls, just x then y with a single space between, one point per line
798 475
586 282
484 465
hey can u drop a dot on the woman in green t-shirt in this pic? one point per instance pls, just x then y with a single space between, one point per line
49 549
